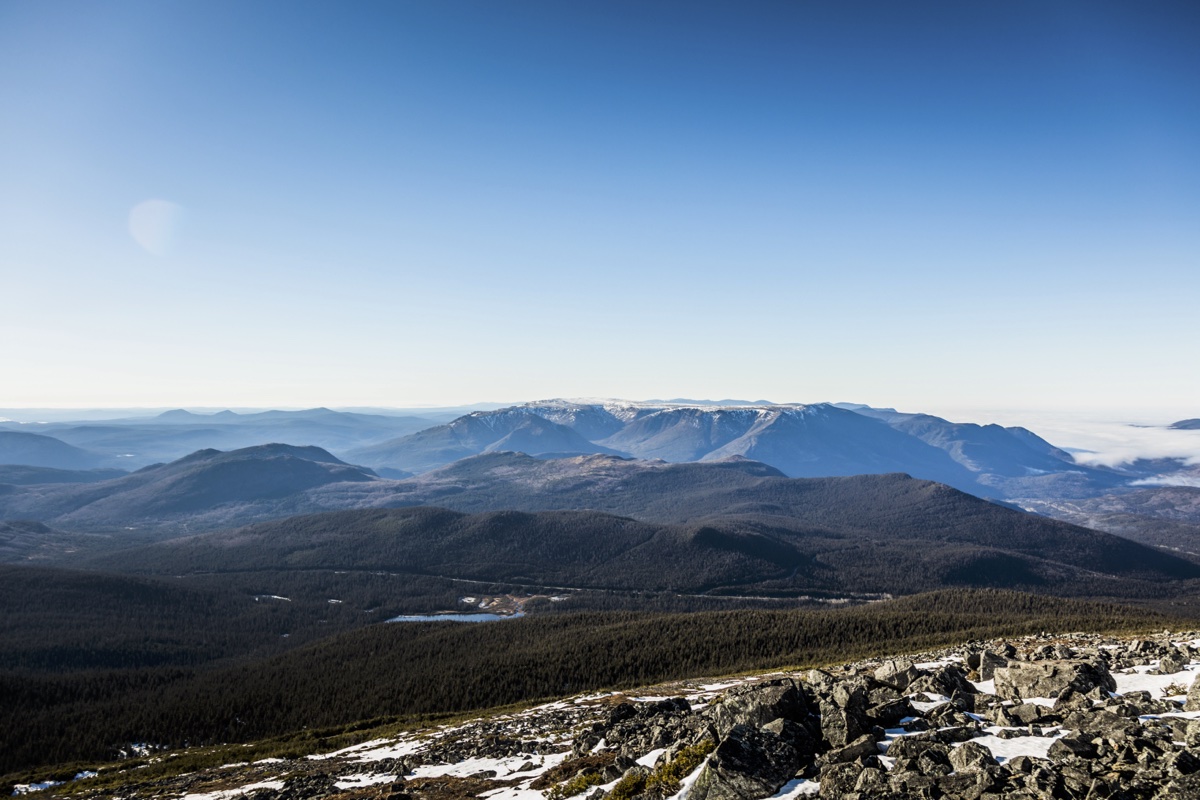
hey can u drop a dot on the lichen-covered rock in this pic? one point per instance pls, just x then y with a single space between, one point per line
860 748
839 727
838 780
756 704
748 764
971 757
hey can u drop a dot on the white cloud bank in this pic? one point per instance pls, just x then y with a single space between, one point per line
1096 441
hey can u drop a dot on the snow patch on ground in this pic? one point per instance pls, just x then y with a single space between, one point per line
1004 749
224 794
26 788
357 781
375 750
503 767
1139 681
1048 702
520 792
935 700
797 788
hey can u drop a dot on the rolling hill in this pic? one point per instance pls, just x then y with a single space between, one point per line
38 450
868 534
201 490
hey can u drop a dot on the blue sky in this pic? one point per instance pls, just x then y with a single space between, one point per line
929 206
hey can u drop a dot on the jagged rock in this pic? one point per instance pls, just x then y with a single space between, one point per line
1101 722
971 757
890 713
1171 664
861 747
943 680
871 781
1070 700
1022 764
935 761
989 662
1193 696
1180 762
820 681
839 727
648 727
794 734
748 764
897 673
1191 734
1029 713
838 780
881 693
757 704
621 764
1021 680
911 784
1184 788
1076 745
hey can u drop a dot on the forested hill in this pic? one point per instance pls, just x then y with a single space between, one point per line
924 536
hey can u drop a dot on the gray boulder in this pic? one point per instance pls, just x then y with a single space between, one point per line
748 764
971 757
862 747
1023 680
1193 696
1171 663
757 704
898 673
838 780
840 727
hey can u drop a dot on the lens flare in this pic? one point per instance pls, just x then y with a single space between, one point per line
153 224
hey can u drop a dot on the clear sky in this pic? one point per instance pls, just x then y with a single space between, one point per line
921 205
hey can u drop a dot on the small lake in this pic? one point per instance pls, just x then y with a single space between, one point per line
481 617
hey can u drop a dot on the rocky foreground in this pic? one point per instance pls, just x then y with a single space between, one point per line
1078 716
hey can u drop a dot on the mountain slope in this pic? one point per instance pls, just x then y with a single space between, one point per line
516 429
37 450
201 490
865 534
17 475
802 441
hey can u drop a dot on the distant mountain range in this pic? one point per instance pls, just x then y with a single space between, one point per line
63 475
801 441
136 442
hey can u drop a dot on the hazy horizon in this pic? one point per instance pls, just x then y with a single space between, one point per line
1093 437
